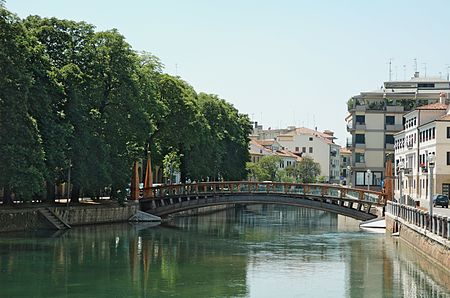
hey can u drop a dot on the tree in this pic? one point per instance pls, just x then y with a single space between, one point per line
21 151
307 170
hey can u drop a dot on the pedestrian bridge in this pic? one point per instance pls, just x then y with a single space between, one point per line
168 199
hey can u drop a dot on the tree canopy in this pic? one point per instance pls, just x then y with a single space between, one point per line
74 97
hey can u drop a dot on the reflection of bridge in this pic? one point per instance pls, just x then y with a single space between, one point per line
356 203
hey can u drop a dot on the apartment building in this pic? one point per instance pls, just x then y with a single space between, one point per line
427 131
346 162
376 116
317 145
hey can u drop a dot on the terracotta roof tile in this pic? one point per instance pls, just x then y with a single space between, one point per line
433 106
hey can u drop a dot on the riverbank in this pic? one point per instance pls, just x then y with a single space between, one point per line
30 217
433 245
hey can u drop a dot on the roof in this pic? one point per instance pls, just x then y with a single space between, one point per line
307 131
445 118
344 150
433 106
265 142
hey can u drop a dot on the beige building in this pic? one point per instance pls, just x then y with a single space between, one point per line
317 145
345 165
427 131
375 117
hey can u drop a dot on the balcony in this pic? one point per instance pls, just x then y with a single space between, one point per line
394 109
394 127
360 164
360 146
360 126
389 146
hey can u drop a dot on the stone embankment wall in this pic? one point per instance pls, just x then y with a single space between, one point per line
31 219
436 248
22 220
93 215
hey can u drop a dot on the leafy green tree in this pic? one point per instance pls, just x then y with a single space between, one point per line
307 170
21 151
171 164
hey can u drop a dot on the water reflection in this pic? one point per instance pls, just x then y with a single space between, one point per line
261 251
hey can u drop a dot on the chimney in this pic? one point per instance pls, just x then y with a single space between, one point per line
442 97
328 132
416 74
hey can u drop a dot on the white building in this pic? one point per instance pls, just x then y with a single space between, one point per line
258 149
376 116
317 145
427 131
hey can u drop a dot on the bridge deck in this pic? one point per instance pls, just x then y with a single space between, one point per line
356 203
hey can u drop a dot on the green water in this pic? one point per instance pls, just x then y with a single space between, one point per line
262 252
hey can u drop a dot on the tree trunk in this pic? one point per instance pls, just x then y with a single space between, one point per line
7 198
75 195
51 196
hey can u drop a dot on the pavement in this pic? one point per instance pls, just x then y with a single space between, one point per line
424 204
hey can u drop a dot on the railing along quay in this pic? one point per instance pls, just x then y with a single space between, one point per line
437 224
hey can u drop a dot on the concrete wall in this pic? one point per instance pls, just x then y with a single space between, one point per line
93 215
433 250
22 220
31 219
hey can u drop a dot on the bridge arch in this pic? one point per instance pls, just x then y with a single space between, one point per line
355 203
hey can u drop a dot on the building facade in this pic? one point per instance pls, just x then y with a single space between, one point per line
427 132
317 145
375 117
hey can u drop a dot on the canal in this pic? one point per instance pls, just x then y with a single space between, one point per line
259 251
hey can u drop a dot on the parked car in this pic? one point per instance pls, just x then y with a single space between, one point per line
440 200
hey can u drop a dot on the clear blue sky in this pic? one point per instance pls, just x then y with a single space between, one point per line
282 62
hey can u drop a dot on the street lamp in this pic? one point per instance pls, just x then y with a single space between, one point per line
401 167
368 178
431 162
349 177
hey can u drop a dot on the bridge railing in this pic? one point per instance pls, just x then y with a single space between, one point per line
250 187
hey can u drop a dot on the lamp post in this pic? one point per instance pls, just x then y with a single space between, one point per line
401 167
349 177
431 162
368 178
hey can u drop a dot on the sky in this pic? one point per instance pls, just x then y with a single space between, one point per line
281 62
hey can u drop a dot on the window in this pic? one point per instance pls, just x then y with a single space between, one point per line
310 149
360 178
304 149
310 138
448 158
360 119
360 138
389 139
344 159
296 149
390 120
359 157
448 132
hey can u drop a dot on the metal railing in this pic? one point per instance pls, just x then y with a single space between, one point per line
437 224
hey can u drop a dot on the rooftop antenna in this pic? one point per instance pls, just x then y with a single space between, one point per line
314 120
404 72
176 69
415 64
396 73
448 71
425 69
390 69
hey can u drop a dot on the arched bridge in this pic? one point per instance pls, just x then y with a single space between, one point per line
356 203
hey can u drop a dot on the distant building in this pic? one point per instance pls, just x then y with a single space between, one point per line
346 162
317 145
259 149
375 117
427 131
